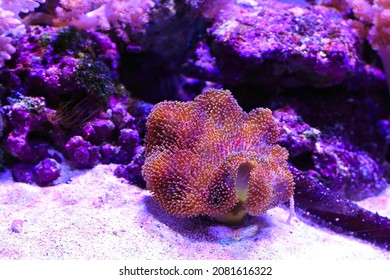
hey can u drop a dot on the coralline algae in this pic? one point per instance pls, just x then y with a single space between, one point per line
270 43
61 92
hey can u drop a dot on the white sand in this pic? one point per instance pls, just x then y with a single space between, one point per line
98 216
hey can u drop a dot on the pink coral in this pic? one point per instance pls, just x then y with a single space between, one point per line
10 23
6 49
374 17
209 157
375 14
105 13
17 6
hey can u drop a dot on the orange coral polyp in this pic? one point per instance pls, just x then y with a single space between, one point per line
209 157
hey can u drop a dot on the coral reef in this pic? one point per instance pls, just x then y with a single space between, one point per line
228 44
209 157
65 99
61 91
39 163
372 20
344 168
269 42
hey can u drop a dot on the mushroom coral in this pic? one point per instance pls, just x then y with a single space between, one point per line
209 157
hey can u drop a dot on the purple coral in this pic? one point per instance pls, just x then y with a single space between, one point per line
47 61
47 171
347 171
23 172
132 172
98 131
296 135
270 43
81 153
128 139
43 173
69 98
24 116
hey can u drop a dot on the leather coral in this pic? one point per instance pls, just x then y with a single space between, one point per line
209 157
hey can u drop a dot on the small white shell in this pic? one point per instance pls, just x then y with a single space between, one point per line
17 226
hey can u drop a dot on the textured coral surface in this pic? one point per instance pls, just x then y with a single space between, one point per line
61 92
270 42
206 156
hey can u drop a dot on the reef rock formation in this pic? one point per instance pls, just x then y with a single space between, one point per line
61 95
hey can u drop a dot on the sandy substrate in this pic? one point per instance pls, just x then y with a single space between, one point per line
91 214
